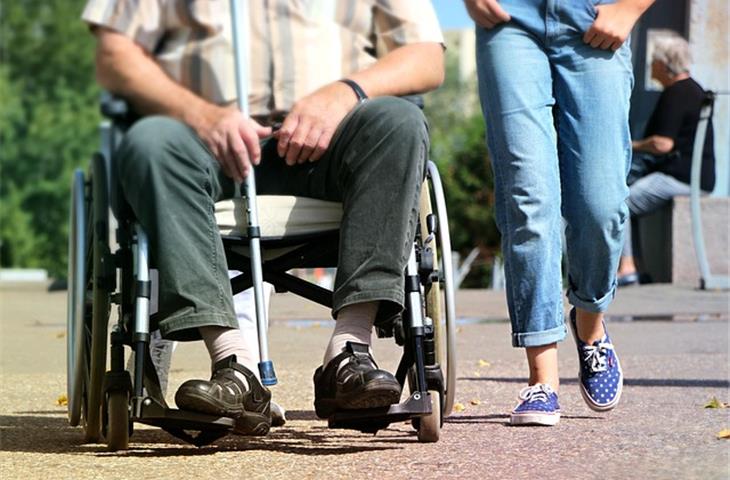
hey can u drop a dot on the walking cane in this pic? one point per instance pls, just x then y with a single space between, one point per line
239 15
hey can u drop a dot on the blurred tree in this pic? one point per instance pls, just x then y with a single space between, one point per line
48 126
458 147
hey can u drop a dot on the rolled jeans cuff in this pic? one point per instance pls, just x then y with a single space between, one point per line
594 306
538 339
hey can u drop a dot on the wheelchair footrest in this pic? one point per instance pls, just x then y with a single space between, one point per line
178 422
374 419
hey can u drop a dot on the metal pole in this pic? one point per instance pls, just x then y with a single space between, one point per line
241 48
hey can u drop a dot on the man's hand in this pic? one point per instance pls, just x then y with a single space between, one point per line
614 23
233 139
654 144
308 128
486 13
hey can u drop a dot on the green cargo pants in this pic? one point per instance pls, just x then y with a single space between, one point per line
375 166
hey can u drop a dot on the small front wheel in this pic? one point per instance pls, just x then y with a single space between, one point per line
429 426
117 427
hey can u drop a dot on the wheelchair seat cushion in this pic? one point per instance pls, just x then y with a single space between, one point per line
279 216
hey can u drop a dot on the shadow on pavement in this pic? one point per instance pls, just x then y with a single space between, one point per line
634 382
49 432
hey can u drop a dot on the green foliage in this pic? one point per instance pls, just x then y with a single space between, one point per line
48 126
458 147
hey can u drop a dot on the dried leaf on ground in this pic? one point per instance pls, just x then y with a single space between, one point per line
459 407
62 401
475 401
60 334
484 363
724 433
715 403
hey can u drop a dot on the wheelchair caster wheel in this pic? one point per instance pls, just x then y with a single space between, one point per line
118 425
429 426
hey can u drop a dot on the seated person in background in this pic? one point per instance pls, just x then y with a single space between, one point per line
172 59
663 158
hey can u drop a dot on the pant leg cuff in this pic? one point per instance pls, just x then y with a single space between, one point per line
389 295
538 339
594 306
185 328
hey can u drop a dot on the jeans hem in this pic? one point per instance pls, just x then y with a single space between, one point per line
593 306
538 339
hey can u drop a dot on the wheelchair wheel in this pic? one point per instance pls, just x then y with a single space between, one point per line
429 426
117 425
88 300
102 278
440 305
76 334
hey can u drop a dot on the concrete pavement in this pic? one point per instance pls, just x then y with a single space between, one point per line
674 364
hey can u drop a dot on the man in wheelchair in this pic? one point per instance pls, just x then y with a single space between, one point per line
329 74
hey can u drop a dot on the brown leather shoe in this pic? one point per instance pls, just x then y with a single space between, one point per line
226 395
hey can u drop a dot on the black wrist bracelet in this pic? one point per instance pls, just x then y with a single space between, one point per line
361 95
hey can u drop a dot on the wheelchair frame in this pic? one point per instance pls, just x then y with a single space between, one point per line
107 403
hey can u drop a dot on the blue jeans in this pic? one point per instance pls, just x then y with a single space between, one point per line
556 111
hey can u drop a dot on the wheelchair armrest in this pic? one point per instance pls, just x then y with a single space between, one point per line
417 100
117 109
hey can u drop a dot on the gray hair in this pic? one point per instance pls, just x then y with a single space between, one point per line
672 50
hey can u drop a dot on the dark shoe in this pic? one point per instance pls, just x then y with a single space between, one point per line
357 384
226 395
626 280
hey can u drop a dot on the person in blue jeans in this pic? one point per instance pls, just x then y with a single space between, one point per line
555 78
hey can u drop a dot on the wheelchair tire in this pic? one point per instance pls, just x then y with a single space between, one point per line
429 426
100 289
440 304
117 429
76 334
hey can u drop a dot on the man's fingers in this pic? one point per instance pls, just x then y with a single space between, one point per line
309 145
296 143
261 131
285 132
250 139
238 156
322 145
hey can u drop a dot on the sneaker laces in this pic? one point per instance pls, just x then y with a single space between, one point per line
539 392
595 356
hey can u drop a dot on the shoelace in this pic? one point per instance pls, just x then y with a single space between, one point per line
536 393
595 356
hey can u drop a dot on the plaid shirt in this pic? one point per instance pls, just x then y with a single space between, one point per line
296 45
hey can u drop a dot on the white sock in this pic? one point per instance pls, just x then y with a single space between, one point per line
223 342
354 324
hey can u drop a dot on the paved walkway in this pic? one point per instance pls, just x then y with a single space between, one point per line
660 430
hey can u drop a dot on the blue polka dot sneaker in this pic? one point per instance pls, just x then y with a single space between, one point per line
600 376
538 406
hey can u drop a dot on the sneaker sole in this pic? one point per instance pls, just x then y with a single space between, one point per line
605 407
372 395
247 423
540 419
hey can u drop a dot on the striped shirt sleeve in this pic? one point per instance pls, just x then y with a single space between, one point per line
401 22
140 20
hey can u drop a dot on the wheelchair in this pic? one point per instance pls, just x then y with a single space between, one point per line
106 400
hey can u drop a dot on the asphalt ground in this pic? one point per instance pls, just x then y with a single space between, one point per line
675 360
